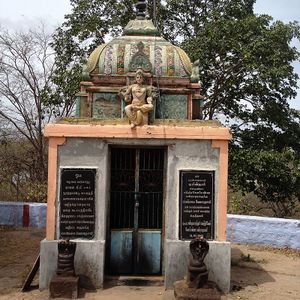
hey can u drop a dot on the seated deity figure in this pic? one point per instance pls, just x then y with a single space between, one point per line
140 98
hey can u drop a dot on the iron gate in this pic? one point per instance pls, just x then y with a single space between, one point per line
136 209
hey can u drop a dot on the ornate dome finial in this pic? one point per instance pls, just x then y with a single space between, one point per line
141 7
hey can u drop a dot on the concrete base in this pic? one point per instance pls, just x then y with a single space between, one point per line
217 262
90 258
208 292
89 261
64 287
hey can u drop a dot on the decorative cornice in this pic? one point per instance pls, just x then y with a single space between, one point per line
143 132
140 27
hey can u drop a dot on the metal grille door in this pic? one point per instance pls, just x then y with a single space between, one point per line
136 210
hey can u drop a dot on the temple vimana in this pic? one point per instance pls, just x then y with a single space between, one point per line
135 176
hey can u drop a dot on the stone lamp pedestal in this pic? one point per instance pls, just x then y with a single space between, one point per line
65 283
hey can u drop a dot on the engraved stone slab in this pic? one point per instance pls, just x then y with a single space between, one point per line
196 204
77 203
106 106
171 107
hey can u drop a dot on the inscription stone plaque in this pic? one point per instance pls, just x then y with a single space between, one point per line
77 203
196 204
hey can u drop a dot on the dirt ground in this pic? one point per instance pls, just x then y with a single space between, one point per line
257 272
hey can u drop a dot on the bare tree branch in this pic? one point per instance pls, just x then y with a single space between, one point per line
26 68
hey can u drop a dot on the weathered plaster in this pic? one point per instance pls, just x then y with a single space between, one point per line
217 261
143 132
187 148
89 261
223 178
90 153
52 185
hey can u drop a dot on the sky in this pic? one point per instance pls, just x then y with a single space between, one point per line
26 13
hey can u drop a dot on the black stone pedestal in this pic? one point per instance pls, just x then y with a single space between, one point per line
208 292
64 287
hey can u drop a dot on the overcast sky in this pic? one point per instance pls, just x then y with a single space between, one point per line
20 12
25 13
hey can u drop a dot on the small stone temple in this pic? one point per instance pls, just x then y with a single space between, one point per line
136 175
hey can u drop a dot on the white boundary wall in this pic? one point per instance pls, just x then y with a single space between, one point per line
13 214
241 229
264 231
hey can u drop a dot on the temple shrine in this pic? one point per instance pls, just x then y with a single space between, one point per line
136 174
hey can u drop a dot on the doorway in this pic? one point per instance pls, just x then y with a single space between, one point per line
136 211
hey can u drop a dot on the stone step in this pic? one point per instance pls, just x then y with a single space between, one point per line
134 280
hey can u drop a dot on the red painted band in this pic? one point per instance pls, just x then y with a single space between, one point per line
25 215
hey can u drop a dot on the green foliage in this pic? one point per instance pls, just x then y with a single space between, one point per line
188 18
21 179
245 66
83 30
266 136
246 75
36 192
245 60
273 176
239 203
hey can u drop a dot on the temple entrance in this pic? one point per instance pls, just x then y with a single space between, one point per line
136 211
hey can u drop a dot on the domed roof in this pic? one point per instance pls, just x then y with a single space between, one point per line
140 46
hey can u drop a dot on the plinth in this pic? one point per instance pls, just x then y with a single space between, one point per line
208 292
64 287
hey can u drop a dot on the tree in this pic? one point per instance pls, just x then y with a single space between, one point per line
266 161
273 176
247 75
26 67
245 62
84 29
18 171
187 18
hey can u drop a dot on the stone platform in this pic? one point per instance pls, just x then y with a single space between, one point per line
64 287
208 292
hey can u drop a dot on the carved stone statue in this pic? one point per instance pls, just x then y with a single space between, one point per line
140 100
195 77
65 283
65 262
196 286
197 271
